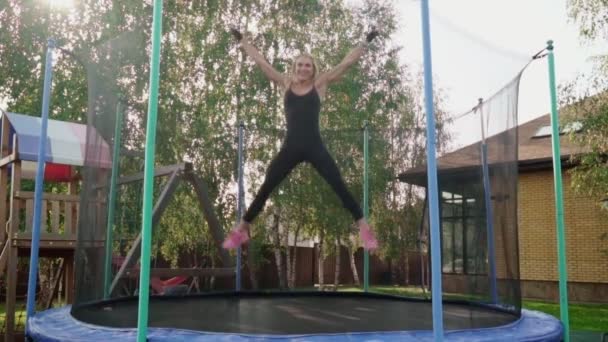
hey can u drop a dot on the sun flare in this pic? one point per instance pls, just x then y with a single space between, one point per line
62 3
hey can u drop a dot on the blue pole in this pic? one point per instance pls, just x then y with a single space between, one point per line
46 96
489 212
366 200
437 297
240 202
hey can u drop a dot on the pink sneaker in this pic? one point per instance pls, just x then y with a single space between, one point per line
235 238
368 238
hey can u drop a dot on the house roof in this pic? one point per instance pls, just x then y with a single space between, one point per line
539 150
533 152
66 144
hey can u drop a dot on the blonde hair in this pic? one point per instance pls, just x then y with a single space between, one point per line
315 69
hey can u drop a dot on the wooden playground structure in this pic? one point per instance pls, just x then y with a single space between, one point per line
60 213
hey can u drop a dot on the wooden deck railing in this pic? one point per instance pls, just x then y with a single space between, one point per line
58 223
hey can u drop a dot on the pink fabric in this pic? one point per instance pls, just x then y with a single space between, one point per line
368 238
158 285
175 281
98 153
235 238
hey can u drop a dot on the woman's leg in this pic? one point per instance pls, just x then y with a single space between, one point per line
285 161
279 168
322 161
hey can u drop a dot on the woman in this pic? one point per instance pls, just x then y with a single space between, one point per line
303 90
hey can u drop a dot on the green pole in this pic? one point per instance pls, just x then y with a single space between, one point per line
112 200
146 227
559 204
366 200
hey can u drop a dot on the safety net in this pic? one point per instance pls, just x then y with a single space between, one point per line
304 240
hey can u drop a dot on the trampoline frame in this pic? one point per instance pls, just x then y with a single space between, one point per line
60 325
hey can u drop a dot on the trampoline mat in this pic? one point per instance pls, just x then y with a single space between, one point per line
290 313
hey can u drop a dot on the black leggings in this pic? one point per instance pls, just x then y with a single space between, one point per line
286 160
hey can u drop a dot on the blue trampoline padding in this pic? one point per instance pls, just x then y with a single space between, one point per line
58 325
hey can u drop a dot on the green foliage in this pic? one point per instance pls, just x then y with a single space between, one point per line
207 86
589 111
590 175
588 105
592 17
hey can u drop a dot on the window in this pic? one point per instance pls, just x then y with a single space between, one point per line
463 239
545 131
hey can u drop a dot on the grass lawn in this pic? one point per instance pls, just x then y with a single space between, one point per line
591 317
19 315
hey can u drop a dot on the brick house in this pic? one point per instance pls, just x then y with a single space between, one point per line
585 222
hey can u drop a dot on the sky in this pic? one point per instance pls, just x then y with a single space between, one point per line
478 46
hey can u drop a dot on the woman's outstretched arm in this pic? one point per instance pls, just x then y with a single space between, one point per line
351 58
270 72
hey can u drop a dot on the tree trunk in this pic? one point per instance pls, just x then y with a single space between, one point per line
212 278
252 269
288 257
423 281
338 264
292 272
353 266
278 257
406 261
292 259
321 261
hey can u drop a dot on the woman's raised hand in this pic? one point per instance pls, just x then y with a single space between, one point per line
236 34
373 33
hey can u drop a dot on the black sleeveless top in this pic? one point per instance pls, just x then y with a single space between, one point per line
302 116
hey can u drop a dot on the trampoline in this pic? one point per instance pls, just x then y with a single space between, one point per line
296 316
479 262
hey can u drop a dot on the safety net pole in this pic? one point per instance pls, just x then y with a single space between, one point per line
559 204
366 200
146 227
488 204
38 188
112 201
240 201
437 297
423 274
